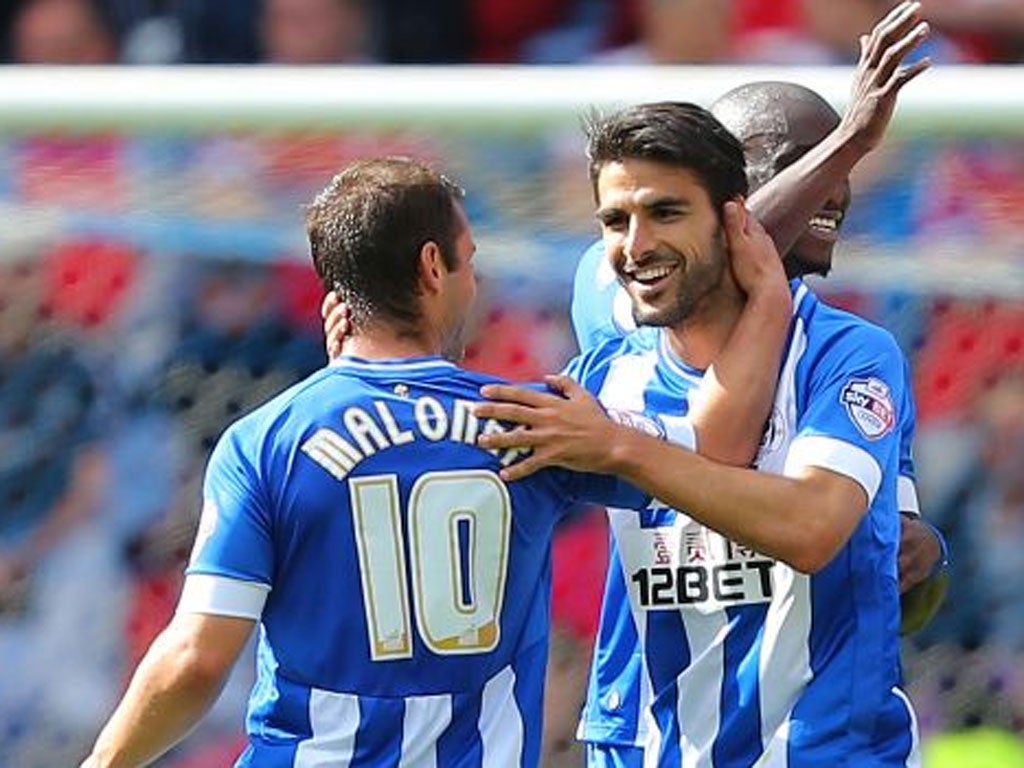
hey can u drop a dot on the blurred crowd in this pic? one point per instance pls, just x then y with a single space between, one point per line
149 297
779 32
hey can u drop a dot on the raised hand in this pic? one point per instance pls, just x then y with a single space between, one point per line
881 73
753 257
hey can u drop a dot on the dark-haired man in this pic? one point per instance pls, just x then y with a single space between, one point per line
734 624
777 124
759 626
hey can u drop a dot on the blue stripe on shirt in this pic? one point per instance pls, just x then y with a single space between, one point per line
740 706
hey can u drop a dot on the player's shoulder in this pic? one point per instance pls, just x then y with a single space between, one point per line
642 341
279 408
836 331
589 265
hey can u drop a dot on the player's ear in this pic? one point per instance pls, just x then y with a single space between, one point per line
432 267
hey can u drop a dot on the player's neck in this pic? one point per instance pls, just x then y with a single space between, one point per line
700 338
388 344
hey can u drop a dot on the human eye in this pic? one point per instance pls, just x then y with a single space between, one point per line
612 220
667 213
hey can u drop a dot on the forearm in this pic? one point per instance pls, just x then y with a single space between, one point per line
736 395
786 203
921 598
165 699
801 524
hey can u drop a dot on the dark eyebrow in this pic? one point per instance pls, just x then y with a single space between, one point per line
667 201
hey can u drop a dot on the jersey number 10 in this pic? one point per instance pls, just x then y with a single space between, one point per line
459 524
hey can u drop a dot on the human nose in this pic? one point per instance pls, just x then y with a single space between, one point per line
638 240
840 196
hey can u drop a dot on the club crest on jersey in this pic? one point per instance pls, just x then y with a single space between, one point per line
869 405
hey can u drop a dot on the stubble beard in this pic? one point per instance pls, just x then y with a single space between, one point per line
697 284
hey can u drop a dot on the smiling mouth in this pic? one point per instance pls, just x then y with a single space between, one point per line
652 275
826 224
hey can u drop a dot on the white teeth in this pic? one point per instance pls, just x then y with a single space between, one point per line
824 222
652 273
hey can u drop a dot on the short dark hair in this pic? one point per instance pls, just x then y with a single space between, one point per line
671 132
366 230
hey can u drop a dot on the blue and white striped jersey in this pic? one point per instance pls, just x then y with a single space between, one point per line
402 588
712 655
601 311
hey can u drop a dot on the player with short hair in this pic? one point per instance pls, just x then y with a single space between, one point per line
400 586
756 622
778 123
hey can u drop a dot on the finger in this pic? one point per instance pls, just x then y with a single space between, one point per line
522 469
520 437
755 226
336 326
895 11
504 411
904 75
898 51
892 27
733 222
565 385
512 394
328 304
896 18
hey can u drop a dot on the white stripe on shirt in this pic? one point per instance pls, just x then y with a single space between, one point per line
334 721
426 718
784 665
906 496
838 456
501 722
700 686
620 388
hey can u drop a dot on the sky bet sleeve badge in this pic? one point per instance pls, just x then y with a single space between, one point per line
869 405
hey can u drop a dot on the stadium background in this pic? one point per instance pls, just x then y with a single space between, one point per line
154 286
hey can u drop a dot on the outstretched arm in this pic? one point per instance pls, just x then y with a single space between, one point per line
803 519
786 203
179 678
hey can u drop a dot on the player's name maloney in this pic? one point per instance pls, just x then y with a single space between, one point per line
370 430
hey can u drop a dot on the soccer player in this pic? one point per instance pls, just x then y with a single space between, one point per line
778 123
401 588
757 621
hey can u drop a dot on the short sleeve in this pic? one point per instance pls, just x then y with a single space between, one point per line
606 490
850 422
233 556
